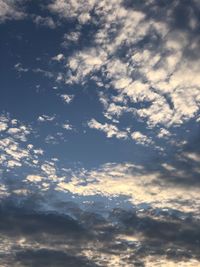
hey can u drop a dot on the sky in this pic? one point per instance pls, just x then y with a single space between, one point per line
100 133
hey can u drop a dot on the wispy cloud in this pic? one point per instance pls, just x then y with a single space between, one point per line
44 21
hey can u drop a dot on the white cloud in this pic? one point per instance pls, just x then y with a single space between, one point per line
58 57
34 178
195 157
38 151
85 63
67 126
19 133
67 98
115 180
73 9
49 169
44 118
3 126
13 163
109 129
140 138
164 133
15 149
60 77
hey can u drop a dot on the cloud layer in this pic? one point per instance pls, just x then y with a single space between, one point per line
99 153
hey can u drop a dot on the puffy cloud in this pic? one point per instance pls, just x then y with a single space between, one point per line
109 129
164 133
11 10
141 138
85 63
73 9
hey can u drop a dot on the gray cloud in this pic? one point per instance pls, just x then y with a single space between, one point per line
31 237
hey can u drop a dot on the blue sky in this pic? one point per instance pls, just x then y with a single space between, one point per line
100 111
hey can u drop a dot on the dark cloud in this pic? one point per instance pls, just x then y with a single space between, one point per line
47 257
56 240
17 221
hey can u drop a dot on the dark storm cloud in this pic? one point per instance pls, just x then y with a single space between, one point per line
166 231
50 231
45 257
57 240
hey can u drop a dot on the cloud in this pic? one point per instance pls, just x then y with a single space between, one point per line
20 68
73 9
67 98
44 21
46 73
124 186
70 38
16 151
164 133
54 139
41 257
3 126
67 126
153 236
59 57
44 118
34 178
145 67
140 138
110 129
192 156
83 64
11 10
